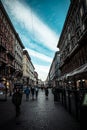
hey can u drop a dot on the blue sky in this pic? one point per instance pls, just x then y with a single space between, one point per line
39 24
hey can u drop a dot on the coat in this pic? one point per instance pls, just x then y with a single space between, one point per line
17 98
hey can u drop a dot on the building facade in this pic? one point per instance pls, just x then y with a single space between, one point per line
18 63
6 44
73 45
28 69
36 77
54 71
11 48
32 70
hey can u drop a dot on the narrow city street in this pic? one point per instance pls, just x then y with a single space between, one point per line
38 114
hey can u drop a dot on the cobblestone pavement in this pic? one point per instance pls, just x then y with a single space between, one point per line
37 114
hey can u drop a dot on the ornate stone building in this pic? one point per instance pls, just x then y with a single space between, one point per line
54 71
36 77
11 48
28 69
18 62
73 45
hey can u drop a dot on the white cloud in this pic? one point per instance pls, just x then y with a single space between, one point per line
33 24
42 71
39 55
41 32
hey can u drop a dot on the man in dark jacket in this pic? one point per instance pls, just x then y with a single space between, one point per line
16 99
27 92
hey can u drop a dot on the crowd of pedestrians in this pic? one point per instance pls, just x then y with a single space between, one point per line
30 92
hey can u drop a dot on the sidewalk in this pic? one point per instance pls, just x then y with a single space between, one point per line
40 114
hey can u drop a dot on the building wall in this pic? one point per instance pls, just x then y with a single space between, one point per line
25 66
18 54
28 68
36 77
6 44
11 47
32 78
73 40
54 71
72 46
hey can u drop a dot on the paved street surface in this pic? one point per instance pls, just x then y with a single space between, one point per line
37 114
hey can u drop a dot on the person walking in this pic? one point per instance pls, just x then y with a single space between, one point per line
32 92
55 93
16 100
27 92
36 91
46 92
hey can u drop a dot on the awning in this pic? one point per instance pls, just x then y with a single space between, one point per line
81 69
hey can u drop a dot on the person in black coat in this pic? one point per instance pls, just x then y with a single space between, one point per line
46 91
16 100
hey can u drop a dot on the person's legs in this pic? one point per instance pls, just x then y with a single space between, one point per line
32 96
27 97
17 110
36 94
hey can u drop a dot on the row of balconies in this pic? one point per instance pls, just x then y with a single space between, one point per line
75 28
2 44
78 60
70 48
68 53
11 47
79 26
